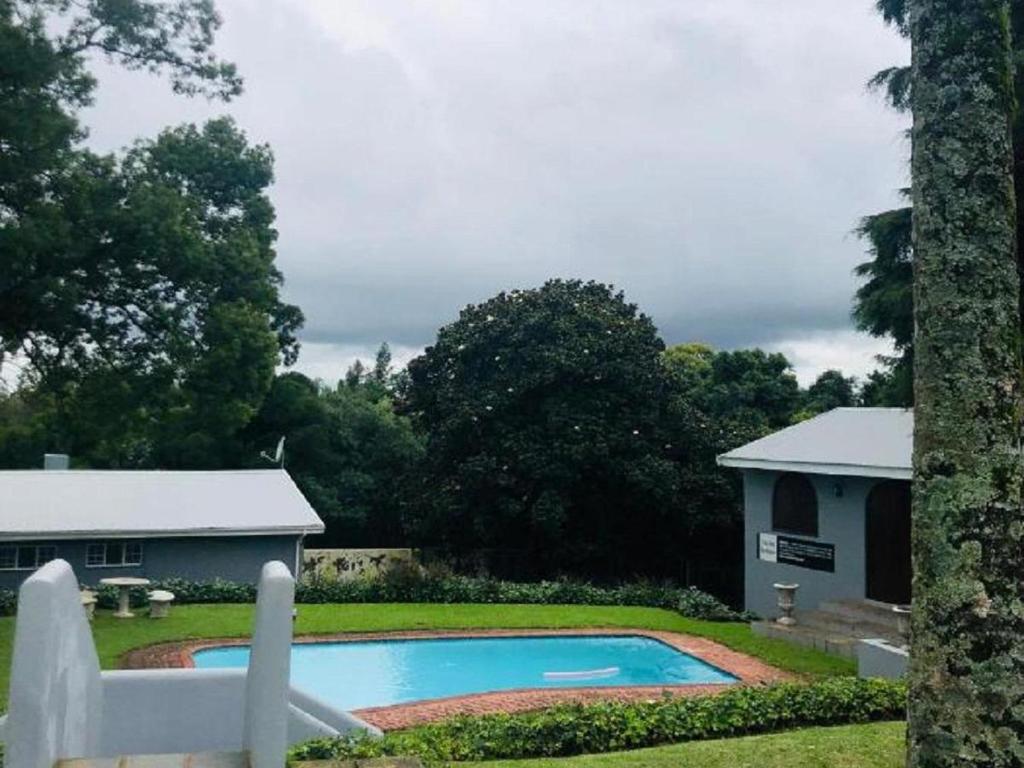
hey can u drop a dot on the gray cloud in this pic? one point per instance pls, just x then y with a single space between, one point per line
709 157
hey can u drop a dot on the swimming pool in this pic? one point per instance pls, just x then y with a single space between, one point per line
354 675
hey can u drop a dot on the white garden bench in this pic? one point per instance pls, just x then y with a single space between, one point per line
160 603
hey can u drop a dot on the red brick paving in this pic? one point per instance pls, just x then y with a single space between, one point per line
749 670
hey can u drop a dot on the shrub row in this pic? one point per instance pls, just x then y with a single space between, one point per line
8 602
401 586
613 726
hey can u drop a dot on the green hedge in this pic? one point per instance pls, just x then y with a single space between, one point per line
401 586
613 726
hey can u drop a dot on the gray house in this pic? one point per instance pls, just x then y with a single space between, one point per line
827 506
154 524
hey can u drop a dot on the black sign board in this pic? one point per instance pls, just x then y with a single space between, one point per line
802 553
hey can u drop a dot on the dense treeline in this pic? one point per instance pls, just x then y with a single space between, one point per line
546 432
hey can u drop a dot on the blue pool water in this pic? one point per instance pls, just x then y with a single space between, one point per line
383 672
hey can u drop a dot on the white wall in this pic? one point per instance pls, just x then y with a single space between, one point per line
62 706
55 703
840 522
265 724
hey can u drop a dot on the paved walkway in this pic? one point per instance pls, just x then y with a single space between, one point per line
749 670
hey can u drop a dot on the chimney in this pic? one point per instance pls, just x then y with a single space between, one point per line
56 461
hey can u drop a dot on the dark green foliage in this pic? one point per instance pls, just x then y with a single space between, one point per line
139 290
888 388
614 726
48 184
347 450
967 661
718 400
402 585
408 586
830 390
749 391
167 345
8 602
185 592
543 414
884 304
894 12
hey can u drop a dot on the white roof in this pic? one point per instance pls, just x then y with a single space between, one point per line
68 504
869 442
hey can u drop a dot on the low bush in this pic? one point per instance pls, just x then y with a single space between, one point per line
408 585
216 591
612 726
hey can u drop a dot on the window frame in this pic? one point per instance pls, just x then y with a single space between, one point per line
38 561
122 545
813 532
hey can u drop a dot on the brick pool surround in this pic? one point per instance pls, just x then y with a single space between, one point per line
747 670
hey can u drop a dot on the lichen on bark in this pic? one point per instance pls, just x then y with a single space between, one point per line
967 654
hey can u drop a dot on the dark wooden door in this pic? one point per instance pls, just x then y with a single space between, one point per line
887 542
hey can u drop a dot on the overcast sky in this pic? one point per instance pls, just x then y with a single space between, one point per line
709 157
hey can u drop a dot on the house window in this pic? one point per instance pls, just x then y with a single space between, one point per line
795 505
25 557
112 554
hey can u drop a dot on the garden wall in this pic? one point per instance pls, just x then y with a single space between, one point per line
346 564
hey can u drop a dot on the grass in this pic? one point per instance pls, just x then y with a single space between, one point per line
114 637
876 745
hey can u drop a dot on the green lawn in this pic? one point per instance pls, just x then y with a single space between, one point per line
876 745
116 636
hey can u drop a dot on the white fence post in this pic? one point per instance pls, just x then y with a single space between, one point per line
265 729
56 696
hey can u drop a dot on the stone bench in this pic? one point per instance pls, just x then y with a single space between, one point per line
160 603
89 603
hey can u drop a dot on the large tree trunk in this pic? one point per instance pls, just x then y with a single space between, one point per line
967 659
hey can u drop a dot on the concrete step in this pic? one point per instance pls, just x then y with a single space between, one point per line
193 760
808 637
834 624
861 611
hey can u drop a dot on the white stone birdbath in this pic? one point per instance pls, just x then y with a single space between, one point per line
124 585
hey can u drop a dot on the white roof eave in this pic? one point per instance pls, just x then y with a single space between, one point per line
817 468
190 533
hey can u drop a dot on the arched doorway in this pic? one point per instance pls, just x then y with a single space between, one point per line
887 542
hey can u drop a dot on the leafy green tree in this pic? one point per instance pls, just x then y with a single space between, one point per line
348 451
967 661
169 341
543 413
830 390
381 374
750 392
717 401
885 388
883 305
45 178
140 290
355 375
379 382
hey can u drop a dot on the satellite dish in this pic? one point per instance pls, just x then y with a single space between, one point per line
278 457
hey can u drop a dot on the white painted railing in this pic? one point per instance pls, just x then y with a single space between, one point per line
62 706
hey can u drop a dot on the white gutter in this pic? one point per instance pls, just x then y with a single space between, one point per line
817 468
65 535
